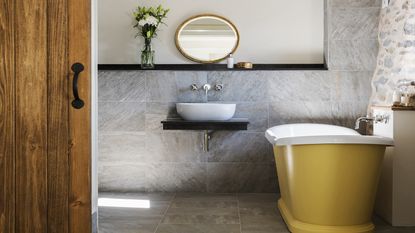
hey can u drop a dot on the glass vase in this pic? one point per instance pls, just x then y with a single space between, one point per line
147 56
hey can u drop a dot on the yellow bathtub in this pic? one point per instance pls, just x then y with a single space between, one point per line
328 177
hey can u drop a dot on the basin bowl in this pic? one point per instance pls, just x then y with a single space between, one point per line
206 111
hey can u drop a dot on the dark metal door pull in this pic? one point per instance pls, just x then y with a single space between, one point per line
77 68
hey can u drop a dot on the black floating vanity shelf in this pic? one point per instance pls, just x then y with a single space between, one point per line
180 124
214 67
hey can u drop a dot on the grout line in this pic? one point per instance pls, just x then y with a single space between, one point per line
165 212
239 213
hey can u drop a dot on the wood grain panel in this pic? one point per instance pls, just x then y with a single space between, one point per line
80 120
58 114
31 116
7 145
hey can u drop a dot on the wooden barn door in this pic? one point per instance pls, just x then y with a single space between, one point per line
45 145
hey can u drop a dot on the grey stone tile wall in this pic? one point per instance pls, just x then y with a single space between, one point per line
137 155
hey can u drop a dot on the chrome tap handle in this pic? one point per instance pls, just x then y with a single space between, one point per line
218 87
194 87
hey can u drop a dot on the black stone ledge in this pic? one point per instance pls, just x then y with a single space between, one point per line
230 125
213 67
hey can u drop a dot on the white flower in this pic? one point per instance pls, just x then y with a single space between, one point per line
148 20
152 20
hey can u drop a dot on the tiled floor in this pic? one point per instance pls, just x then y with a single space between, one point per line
201 213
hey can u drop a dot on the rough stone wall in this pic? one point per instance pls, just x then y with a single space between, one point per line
396 59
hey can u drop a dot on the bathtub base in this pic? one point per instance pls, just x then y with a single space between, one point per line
296 226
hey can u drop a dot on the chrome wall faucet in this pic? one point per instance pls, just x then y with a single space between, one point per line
207 87
375 119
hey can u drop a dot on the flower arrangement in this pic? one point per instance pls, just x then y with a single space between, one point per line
148 20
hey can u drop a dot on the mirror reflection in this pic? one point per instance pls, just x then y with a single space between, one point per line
207 38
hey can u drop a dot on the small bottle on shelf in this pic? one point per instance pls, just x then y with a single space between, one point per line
230 61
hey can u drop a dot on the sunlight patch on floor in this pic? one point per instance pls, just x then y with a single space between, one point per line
124 203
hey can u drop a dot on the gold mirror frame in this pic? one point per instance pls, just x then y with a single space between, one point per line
180 28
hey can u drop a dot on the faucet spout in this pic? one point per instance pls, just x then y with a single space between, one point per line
360 119
375 119
207 88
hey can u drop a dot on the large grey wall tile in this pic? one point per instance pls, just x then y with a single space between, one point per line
258 178
176 177
169 86
239 86
354 23
122 147
353 55
122 86
239 147
345 113
174 146
241 177
355 3
300 112
298 85
157 112
257 113
351 86
122 177
161 86
121 116
223 177
184 80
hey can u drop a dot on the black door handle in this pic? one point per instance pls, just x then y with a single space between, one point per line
77 68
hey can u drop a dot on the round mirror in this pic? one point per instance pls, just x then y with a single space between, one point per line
207 38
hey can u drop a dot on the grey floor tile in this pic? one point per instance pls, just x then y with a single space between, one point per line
258 197
125 227
203 213
273 228
198 228
206 197
201 216
143 196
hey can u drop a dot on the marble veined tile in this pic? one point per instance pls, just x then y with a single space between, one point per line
121 86
180 177
257 113
351 86
121 116
157 112
354 23
355 3
300 86
169 86
174 146
122 177
353 55
227 146
122 147
290 112
241 177
239 86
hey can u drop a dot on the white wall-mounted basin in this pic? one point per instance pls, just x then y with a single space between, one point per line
206 111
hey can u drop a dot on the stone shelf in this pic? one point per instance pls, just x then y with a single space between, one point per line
214 67
180 124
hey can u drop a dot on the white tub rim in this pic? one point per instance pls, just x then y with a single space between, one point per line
312 134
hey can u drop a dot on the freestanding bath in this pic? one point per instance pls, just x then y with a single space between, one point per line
328 177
